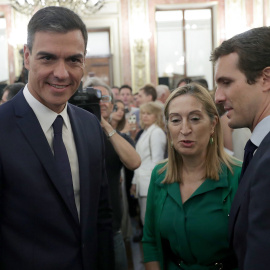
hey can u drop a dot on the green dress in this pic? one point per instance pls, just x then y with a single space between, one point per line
197 230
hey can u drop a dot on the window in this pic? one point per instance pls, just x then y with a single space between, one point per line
184 44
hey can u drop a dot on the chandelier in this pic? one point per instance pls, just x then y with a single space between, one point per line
82 7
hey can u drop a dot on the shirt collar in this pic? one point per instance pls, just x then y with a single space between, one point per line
260 131
44 115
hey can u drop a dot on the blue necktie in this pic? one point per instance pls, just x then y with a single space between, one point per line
249 150
61 157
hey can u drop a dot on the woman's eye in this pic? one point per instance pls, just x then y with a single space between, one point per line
175 120
226 82
195 118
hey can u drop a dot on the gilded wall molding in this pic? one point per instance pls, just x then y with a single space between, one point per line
139 43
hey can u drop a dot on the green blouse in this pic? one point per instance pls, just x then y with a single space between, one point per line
196 230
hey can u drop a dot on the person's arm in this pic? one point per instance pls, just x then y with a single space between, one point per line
126 152
152 266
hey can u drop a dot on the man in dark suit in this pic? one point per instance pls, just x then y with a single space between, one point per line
242 74
49 220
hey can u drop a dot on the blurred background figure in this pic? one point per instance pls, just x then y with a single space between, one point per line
116 92
203 82
119 152
195 186
127 97
135 102
163 92
10 91
117 118
151 148
146 94
183 82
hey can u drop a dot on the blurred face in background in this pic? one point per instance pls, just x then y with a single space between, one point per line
4 97
118 112
148 118
135 100
105 107
126 96
143 98
116 93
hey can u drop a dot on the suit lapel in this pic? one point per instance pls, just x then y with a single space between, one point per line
33 133
245 183
86 165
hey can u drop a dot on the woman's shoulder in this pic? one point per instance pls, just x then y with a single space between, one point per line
158 167
236 165
234 173
158 131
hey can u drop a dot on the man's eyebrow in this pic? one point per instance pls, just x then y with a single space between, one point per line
43 53
78 55
223 78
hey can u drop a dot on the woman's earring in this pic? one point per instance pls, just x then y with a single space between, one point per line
171 144
211 140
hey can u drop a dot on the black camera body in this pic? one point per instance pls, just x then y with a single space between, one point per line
88 99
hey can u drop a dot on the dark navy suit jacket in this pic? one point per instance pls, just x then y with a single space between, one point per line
249 222
39 226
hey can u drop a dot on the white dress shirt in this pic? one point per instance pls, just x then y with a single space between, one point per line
46 118
260 131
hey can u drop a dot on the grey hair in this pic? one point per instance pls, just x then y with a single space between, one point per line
161 89
95 81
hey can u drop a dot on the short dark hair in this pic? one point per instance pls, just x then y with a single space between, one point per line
13 89
253 49
186 80
203 82
54 19
150 89
125 86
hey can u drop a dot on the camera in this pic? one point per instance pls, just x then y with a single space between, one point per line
87 99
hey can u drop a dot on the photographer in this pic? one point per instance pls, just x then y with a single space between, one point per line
119 151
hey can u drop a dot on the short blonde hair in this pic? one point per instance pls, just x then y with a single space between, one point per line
154 108
216 154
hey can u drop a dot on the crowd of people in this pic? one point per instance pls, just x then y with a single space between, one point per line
177 152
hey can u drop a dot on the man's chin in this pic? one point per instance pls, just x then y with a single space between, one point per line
234 125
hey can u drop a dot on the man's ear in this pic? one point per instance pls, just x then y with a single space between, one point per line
26 55
266 79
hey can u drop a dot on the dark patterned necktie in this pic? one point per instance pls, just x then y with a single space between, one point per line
61 156
249 150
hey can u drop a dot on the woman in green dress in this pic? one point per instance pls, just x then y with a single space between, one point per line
190 195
